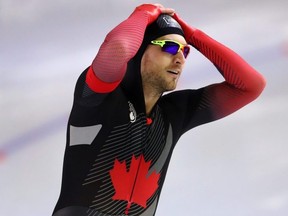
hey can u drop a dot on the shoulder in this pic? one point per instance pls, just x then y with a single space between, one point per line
182 97
181 104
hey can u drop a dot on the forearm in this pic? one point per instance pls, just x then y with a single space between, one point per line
236 71
242 85
119 46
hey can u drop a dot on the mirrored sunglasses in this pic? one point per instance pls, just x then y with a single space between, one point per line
172 47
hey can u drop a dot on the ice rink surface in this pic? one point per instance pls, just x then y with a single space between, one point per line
235 166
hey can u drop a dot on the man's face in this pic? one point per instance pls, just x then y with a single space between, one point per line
161 70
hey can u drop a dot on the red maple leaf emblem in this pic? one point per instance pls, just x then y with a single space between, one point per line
133 185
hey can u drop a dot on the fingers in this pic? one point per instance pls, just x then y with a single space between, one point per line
164 10
169 11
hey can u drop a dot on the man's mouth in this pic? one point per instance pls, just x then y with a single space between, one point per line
173 72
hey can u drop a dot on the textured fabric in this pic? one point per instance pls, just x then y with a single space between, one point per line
242 83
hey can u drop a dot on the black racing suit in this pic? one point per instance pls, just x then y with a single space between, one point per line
115 159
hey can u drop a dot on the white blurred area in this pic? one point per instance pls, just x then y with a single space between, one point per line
235 166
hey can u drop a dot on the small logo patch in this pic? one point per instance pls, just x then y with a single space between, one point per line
166 20
132 113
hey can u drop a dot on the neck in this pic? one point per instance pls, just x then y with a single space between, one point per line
151 97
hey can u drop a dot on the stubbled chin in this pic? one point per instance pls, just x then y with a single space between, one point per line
172 85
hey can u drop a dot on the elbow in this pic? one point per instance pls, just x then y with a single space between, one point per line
261 84
258 86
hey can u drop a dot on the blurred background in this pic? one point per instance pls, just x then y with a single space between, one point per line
235 166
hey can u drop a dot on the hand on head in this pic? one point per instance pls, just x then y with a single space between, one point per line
154 10
169 11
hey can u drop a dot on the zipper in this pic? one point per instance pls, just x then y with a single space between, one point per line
132 192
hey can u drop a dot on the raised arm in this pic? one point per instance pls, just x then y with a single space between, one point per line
242 84
119 46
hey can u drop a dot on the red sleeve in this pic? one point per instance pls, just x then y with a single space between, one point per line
242 83
97 85
120 45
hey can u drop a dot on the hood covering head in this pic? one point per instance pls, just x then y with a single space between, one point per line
165 24
132 82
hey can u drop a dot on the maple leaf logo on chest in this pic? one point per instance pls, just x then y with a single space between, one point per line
134 185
